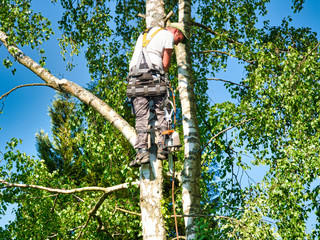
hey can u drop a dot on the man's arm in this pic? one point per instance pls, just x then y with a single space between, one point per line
166 59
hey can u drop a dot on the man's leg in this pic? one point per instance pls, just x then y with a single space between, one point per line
159 108
142 111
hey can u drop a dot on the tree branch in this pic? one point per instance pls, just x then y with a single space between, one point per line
127 211
78 198
71 191
168 16
226 53
214 32
141 15
92 213
63 85
240 123
222 80
54 203
210 216
25 85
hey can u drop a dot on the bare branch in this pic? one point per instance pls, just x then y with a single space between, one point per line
226 53
231 220
83 227
141 15
54 203
71 191
214 32
63 85
193 215
53 195
78 198
25 85
222 80
240 123
168 16
92 213
127 211
210 216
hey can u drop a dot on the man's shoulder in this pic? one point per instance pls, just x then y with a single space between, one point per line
164 34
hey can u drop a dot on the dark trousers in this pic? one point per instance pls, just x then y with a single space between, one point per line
141 107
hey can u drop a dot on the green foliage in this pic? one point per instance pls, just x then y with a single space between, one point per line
59 215
273 117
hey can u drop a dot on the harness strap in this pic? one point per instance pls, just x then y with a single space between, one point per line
146 41
144 53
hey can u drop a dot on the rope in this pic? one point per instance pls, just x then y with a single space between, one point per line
173 201
174 105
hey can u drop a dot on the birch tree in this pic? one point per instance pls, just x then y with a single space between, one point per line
151 177
272 117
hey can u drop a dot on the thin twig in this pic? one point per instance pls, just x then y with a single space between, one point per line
192 215
78 198
240 123
168 16
53 195
54 203
211 216
214 32
173 201
141 15
25 85
127 211
230 219
226 53
227 81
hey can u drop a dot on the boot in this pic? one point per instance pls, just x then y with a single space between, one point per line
162 154
141 158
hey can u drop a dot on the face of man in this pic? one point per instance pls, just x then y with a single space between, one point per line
178 37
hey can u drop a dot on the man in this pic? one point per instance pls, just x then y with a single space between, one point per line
152 53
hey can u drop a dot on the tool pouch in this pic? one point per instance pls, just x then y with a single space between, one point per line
146 85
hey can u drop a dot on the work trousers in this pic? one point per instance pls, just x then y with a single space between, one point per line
141 107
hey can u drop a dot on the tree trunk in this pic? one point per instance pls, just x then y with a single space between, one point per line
151 177
192 164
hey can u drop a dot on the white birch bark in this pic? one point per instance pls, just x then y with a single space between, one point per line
72 88
151 177
192 165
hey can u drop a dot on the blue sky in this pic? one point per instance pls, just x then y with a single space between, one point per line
25 111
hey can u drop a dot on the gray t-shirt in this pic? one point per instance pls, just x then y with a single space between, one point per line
162 40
